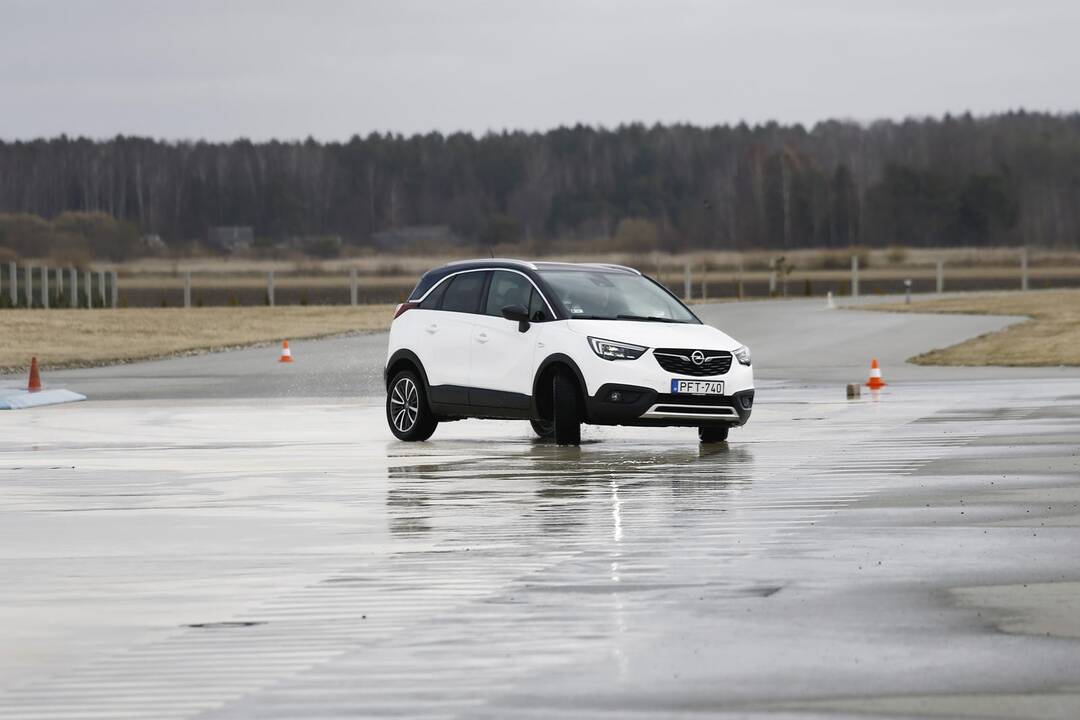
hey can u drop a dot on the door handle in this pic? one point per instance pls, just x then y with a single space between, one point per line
482 337
433 328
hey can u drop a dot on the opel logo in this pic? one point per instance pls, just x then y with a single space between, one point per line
698 357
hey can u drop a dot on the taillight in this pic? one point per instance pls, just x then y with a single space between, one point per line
403 307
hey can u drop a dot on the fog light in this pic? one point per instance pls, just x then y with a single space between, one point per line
614 396
746 401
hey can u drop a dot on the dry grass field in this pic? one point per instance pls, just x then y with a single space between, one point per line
75 338
1050 338
79 338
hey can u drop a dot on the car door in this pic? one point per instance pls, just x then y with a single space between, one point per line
447 337
501 359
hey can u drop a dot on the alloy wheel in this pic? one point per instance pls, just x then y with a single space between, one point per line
404 404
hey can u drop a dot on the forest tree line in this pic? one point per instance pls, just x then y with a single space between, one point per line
1006 179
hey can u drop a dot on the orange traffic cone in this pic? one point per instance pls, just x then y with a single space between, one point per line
286 353
875 382
35 377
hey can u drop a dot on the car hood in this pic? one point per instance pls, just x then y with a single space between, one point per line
656 334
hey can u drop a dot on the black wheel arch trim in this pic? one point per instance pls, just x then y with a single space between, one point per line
560 359
411 357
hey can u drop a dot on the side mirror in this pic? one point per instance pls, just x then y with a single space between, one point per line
519 314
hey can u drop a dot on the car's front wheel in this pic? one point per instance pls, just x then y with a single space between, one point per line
713 434
567 415
544 429
407 410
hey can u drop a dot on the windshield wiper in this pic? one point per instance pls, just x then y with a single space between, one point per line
650 318
640 318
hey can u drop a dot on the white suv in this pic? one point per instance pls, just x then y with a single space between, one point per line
559 344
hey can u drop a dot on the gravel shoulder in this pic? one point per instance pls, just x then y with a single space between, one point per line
89 338
1050 338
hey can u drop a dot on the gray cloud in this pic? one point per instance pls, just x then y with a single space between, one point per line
330 69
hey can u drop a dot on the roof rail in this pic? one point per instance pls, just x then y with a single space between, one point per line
613 266
509 261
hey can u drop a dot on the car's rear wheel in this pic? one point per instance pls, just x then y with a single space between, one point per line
566 413
544 429
407 411
713 434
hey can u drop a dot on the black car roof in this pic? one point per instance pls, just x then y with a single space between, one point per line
431 277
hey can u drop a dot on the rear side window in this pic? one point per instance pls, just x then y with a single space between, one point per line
507 288
422 287
431 302
463 295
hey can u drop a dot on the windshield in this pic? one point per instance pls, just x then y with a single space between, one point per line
601 295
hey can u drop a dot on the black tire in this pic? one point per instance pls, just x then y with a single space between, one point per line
566 414
544 429
712 434
407 411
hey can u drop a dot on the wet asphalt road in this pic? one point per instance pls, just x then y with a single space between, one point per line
906 555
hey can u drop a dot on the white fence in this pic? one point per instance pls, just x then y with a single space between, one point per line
39 286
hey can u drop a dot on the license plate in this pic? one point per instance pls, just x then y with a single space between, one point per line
697 387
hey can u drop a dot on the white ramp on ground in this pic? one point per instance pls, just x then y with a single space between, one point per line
18 399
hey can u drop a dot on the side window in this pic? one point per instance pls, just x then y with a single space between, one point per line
507 288
538 310
463 295
426 281
431 302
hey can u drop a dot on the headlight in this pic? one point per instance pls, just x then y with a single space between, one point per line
610 350
743 355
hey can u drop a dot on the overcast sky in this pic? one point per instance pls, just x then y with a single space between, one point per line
221 69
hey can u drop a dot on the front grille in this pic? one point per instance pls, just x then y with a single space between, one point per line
670 399
677 360
691 410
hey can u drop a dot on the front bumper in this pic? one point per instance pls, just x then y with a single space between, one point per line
615 404
646 399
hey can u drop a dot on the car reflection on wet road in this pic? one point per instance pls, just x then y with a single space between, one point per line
290 560
565 483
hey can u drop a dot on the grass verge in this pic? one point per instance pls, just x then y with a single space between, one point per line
84 338
1050 338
